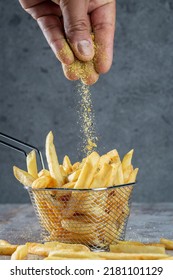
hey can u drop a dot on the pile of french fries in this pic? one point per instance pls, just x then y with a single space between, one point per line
122 250
92 217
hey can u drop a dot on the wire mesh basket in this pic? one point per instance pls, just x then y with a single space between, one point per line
93 217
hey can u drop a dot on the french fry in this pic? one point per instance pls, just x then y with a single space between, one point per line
67 165
88 171
20 253
112 176
23 177
4 242
167 242
72 254
63 172
101 177
52 160
133 175
131 256
44 172
31 163
75 166
69 185
39 249
74 176
7 249
44 182
114 156
119 178
127 172
128 242
147 249
77 226
127 160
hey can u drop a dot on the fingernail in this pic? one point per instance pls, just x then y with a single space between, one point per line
85 48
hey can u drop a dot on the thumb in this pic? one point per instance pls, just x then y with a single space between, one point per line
77 28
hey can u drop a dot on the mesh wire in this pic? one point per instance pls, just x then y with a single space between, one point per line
95 218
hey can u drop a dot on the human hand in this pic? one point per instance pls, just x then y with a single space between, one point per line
67 25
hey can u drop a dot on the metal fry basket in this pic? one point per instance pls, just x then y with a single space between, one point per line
93 217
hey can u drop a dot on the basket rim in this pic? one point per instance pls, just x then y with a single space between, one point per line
80 190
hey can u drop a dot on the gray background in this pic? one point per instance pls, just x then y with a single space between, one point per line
133 102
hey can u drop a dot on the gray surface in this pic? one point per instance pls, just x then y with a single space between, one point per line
133 102
147 223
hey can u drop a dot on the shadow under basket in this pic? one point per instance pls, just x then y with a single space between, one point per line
93 217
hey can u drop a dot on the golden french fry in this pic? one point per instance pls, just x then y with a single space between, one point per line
128 242
155 244
69 185
101 177
75 166
52 160
127 172
127 159
23 177
131 256
44 182
31 163
66 246
78 226
44 172
39 249
4 242
7 249
67 165
129 248
63 172
74 176
133 175
20 253
104 159
112 176
167 242
114 156
119 178
72 254
88 171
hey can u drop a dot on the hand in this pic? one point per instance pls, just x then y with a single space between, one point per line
67 25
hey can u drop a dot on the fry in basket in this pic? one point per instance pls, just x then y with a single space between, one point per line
20 253
44 182
74 176
78 226
44 172
31 163
88 171
102 176
167 242
52 160
23 177
67 165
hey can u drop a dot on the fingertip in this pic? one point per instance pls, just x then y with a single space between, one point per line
92 79
65 54
69 73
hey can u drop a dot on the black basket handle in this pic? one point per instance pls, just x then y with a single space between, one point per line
20 143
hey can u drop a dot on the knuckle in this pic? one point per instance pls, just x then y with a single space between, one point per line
77 26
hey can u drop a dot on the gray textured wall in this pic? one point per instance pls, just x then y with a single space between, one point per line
133 102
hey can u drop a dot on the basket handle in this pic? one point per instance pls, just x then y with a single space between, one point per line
20 143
